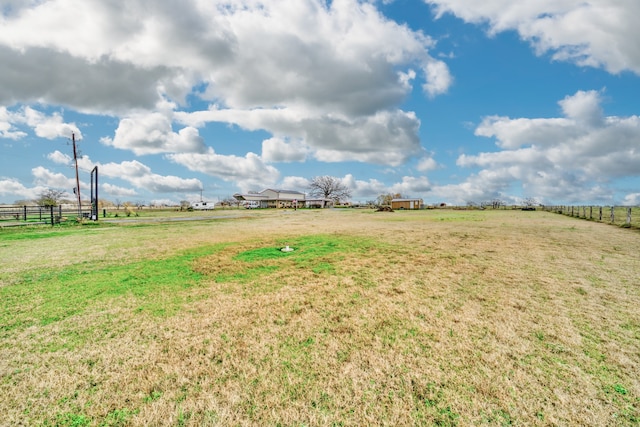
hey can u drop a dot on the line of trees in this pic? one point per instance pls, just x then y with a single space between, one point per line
52 197
497 203
329 187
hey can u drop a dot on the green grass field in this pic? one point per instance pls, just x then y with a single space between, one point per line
437 317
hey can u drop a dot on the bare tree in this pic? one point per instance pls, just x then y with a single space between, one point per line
496 203
529 202
230 201
50 197
329 187
385 199
102 203
127 208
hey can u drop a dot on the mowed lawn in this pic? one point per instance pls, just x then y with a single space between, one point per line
436 317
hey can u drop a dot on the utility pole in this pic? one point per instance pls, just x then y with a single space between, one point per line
75 159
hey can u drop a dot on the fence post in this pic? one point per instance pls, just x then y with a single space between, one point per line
629 216
600 214
612 216
590 212
51 207
24 209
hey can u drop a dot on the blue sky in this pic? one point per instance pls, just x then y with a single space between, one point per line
453 101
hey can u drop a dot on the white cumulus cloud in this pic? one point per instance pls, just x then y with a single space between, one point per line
116 191
562 158
386 137
141 176
47 178
43 125
248 54
323 79
152 133
248 172
596 33
279 150
59 158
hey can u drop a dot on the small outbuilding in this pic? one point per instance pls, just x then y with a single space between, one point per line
406 204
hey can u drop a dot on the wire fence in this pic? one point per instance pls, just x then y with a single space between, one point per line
33 215
623 216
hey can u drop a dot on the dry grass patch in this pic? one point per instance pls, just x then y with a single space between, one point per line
406 318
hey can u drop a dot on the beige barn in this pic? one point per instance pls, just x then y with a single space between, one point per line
406 204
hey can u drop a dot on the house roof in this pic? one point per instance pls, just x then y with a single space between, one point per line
250 196
262 196
281 191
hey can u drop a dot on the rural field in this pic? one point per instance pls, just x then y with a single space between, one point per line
435 317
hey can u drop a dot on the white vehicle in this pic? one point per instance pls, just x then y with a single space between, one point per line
252 204
202 206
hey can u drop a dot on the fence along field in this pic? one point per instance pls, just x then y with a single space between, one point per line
32 215
624 216
435 317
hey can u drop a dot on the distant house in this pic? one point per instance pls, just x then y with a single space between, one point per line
406 204
271 198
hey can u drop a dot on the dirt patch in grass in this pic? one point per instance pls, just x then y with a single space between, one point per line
406 318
